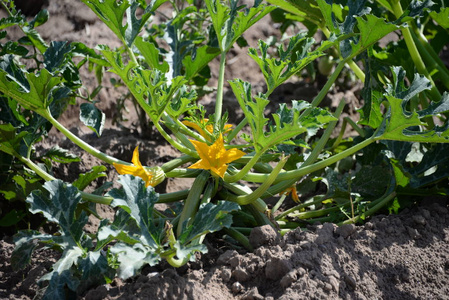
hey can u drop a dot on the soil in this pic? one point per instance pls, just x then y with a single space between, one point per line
400 256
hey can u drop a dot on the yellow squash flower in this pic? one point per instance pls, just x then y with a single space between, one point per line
209 128
215 157
137 170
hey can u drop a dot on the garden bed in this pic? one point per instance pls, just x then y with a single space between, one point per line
400 256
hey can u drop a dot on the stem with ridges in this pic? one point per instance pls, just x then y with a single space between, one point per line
80 143
414 53
219 99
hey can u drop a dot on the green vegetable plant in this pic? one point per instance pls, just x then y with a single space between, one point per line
398 149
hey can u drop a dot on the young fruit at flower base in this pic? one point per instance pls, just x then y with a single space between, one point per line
152 176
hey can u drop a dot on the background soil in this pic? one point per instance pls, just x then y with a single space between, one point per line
401 256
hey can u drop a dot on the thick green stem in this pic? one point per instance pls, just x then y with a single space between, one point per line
219 99
326 135
237 129
173 197
174 143
354 67
82 144
174 163
245 169
430 57
47 177
250 198
239 237
414 53
193 200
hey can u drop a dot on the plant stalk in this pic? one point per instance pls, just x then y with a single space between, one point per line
219 99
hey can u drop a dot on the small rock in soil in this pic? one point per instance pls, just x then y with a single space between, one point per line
346 230
226 274
288 279
350 281
418 219
225 258
276 268
241 274
264 236
252 294
237 287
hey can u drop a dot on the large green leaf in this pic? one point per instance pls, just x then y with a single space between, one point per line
25 245
287 123
194 63
112 13
59 206
35 97
230 22
138 201
95 270
291 60
209 218
151 54
132 258
151 88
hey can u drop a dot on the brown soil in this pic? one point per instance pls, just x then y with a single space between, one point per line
401 256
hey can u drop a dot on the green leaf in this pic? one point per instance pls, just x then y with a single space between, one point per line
94 268
183 102
371 29
62 277
198 60
305 9
133 258
61 155
230 22
25 245
209 218
80 49
293 59
92 117
56 56
40 18
112 13
151 54
11 21
59 206
35 38
403 125
85 179
151 88
37 95
138 201
10 140
13 48
441 17
287 123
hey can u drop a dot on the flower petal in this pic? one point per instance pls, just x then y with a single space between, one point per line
135 160
220 171
124 169
231 155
